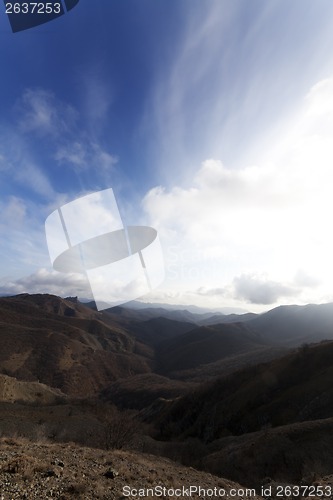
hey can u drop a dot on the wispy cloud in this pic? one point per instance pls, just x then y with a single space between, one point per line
22 242
236 74
29 174
74 153
84 155
18 166
12 212
40 112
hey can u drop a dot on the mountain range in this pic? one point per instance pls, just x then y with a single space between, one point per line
202 385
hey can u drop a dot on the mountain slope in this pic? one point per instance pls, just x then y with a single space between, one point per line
156 330
65 345
297 454
70 346
294 325
12 390
294 388
32 470
206 344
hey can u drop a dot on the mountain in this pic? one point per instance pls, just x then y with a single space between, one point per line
146 313
227 318
12 390
135 304
207 344
46 470
294 388
284 325
297 454
80 351
294 325
66 345
235 398
156 330
141 391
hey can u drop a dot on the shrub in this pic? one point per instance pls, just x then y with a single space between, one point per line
120 427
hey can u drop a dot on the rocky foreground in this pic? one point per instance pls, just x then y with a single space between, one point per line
44 471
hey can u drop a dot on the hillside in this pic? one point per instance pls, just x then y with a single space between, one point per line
41 470
12 390
231 398
156 330
80 351
65 345
299 454
291 389
294 325
206 344
140 391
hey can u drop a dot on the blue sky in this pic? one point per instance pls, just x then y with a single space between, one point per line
210 119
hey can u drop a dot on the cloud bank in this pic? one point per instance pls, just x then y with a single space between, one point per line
271 219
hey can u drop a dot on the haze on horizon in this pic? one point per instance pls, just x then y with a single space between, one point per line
212 122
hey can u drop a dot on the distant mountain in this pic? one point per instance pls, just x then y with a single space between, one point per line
227 318
201 316
294 325
135 304
80 351
207 344
143 314
156 330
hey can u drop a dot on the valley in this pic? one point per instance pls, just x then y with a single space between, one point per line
247 399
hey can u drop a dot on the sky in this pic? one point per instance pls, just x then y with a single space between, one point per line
212 122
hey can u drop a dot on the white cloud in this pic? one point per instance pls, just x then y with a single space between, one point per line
103 159
29 174
48 281
85 155
260 290
18 168
270 219
74 153
214 292
12 212
41 113
22 242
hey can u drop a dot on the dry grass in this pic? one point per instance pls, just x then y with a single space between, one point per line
71 471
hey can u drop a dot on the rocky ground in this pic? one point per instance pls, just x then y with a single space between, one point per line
41 471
